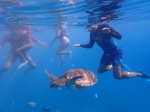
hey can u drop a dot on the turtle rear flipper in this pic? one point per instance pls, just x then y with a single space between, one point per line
72 81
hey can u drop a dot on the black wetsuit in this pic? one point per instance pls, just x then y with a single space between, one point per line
112 52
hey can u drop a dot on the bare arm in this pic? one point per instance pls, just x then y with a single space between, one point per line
39 42
56 37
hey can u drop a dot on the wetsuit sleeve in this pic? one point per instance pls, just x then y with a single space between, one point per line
89 45
4 40
115 34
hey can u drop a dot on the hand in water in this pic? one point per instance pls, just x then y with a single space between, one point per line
106 30
76 45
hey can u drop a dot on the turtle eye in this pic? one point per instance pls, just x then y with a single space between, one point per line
53 85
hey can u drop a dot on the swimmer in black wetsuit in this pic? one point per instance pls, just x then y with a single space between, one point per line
104 36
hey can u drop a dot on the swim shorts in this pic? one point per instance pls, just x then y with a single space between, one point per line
114 58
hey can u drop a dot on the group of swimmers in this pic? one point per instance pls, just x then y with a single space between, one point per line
21 40
104 35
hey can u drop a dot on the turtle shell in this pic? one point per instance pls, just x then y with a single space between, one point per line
88 77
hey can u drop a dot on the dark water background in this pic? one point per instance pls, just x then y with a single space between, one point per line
107 95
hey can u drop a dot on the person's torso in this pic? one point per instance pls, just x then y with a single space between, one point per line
64 33
105 41
16 41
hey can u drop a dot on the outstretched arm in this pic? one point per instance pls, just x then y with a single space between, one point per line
39 42
56 37
89 45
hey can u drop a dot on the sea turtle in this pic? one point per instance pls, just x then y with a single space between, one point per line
77 78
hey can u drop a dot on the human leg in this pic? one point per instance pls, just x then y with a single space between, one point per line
103 68
31 63
118 74
20 54
117 65
60 51
105 63
21 49
11 59
61 48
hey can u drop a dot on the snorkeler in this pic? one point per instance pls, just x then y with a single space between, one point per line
62 35
28 43
16 40
104 36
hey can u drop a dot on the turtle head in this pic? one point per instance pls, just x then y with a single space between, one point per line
58 83
55 83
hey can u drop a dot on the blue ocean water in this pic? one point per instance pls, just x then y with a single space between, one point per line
18 90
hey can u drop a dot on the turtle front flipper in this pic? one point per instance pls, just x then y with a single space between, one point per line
72 81
53 77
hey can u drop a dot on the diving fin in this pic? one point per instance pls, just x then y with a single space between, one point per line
147 77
